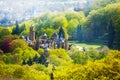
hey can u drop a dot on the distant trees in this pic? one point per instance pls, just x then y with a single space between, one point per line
49 22
99 27
72 27
59 21
48 31
95 4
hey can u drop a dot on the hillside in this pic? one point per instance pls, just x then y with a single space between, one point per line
10 11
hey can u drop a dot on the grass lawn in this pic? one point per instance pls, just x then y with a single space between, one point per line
87 45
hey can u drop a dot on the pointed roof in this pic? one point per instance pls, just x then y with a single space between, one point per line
55 34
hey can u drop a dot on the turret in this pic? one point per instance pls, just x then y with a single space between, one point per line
32 33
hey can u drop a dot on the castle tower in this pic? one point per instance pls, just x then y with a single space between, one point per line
32 33
66 44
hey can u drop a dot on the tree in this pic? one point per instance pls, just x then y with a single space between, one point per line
111 34
61 33
22 28
79 33
19 43
79 57
4 33
72 26
45 20
16 30
6 45
48 31
59 57
60 21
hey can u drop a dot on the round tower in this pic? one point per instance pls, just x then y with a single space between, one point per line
32 33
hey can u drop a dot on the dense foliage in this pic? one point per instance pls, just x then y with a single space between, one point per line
105 69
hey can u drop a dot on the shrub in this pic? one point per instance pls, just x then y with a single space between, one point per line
6 45
17 72
59 57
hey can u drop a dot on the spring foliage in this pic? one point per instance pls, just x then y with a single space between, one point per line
105 69
18 61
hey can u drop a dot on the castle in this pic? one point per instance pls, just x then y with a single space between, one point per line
56 41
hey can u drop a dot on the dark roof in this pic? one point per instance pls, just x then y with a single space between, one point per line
22 37
59 40
27 39
55 34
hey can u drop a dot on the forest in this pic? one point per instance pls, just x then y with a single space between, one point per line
98 23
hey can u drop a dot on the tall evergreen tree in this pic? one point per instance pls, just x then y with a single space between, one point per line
16 30
79 33
22 28
111 34
61 33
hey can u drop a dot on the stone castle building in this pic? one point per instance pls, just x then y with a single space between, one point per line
32 33
56 41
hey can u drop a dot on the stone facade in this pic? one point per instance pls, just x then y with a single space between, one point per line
56 41
32 33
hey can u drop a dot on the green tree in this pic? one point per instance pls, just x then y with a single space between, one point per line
48 31
6 45
45 20
111 35
19 43
59 57
22 28
59 21
61 33
72 27
16 30
79 33
4 33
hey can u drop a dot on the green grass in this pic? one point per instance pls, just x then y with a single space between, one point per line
87 45
94 46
